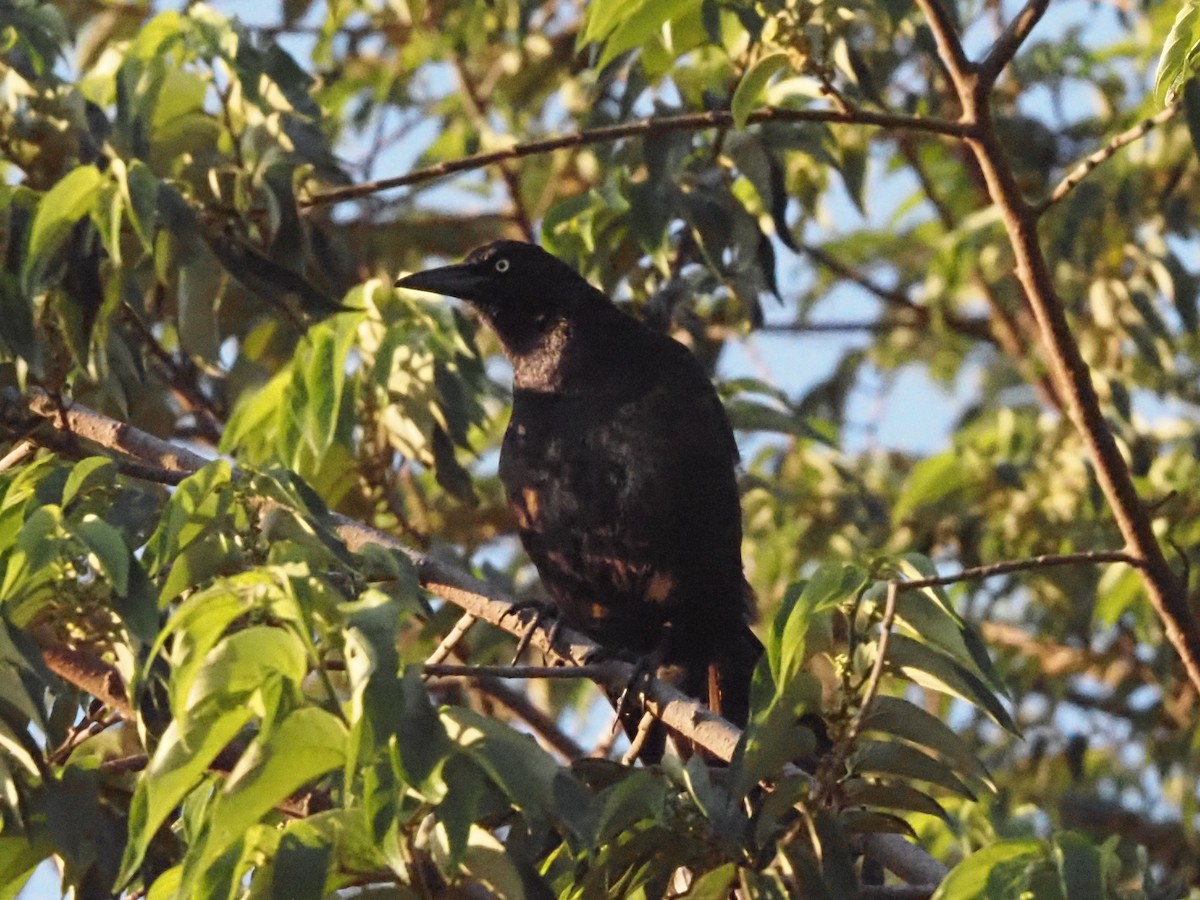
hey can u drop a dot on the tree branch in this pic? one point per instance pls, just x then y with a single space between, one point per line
679 712
961 70
1166 592
1047 561
521 705
456 670
88 672
1009 42
719 118
1092 161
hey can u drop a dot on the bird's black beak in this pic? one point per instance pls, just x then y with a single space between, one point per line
461 281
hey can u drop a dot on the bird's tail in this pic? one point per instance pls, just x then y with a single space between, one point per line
729 676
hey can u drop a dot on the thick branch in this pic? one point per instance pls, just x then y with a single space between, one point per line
718 118
83 422
1071 372
678 711
89 673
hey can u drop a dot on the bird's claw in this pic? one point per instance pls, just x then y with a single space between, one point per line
542 612
634 689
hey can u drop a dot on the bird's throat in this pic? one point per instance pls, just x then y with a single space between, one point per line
539 363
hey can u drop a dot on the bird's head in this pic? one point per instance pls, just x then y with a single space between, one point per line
522 291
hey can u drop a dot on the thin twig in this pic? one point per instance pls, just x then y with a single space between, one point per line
643 127
477 104
453 670
645 725
542 724
890 296
179 378
1046 561
450 641
973 327
18 454
876 676
1092 161
78 736
849 326
950 50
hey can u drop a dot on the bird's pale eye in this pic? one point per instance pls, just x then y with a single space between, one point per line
502 265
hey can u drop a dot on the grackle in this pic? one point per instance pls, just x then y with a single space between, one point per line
619 465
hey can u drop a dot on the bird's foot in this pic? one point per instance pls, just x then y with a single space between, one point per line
540 612
644 669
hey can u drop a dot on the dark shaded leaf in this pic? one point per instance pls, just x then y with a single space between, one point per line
889 758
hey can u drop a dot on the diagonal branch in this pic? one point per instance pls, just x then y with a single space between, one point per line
950 50
1009 42
1092 161
718 118
1047 561
680 712
1166 591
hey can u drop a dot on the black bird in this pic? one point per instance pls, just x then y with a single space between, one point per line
619 464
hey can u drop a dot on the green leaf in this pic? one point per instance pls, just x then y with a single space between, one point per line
712 885
16 740
635 22
140 188
180 761
932 480
753 85
109 547
1179 54
421 744
300 866
465 790
777 735
930 668
890 758
199 503
200 621
892 795
307 744
86 474
829 586
872 821
19 856
62 206
899 718
486 860
1191 116
514 762
16 320
988 874
166 886
241 664
1079 866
